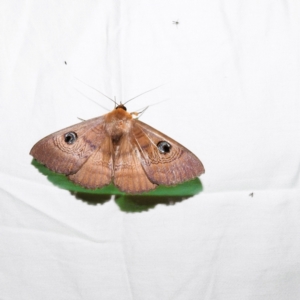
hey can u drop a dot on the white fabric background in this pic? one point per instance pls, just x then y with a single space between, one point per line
231 71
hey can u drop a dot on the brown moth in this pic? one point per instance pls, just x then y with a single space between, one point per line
118 148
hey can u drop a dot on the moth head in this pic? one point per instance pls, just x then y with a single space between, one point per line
70 137
164 147
121 106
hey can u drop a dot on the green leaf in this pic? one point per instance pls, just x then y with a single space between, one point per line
127 202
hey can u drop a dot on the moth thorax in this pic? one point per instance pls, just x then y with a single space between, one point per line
121 127
118 128
118 122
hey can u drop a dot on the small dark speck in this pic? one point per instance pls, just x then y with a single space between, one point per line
176 23
65 63
251 194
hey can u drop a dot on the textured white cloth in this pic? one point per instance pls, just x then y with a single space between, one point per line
231 72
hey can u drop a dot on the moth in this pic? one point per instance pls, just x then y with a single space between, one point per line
118 148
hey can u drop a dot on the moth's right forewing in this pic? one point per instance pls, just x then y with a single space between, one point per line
175 166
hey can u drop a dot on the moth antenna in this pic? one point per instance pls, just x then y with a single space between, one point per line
141 112
81 119
95 89
91 99
143 93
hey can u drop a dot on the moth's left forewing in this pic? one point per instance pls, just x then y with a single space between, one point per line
164 160
67 158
